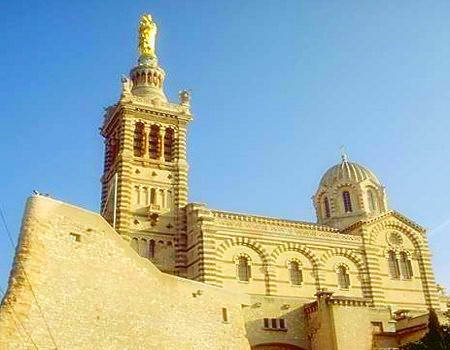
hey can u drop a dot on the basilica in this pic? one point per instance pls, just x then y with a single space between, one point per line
154 271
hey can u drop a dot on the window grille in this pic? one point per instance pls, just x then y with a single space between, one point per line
347 202
275 324
393 265
139 140
295 273
244 269
405 266
168 145
343 277
153 142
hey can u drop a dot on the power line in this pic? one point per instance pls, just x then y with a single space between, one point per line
40 310
6 228
29 283
20 322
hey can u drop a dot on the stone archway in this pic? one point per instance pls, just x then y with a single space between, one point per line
275 346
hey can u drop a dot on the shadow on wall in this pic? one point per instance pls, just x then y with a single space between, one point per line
271 326
158 247
276 346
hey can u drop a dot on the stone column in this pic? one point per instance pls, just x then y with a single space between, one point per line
164 198
162 134
145 141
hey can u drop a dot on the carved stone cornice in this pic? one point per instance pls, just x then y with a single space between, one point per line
348 301
157 105
144 106
260 223
382 216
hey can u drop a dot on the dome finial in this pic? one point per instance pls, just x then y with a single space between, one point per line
344 155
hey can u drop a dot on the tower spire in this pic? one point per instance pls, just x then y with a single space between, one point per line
145 179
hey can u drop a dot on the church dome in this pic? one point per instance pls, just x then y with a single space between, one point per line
347 170
348 192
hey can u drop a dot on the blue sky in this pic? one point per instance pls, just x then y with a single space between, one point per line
278 87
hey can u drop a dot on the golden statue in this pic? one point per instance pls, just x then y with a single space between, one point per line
147 35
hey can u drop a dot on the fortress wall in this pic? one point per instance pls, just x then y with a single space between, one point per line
289 309
96 292
351 327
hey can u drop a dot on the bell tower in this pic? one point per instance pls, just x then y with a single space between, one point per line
145 177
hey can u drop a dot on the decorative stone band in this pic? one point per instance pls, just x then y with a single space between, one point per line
382 216
348 301
272 221
167 106
155 108
252 222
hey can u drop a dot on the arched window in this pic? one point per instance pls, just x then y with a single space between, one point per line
295 273
372 200
347 201
405 266
151 249
393 265
138 140
153 142
168 145
243 269
326 205
343 277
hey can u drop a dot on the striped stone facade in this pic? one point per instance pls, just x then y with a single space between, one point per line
360 259
151 190
216 237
